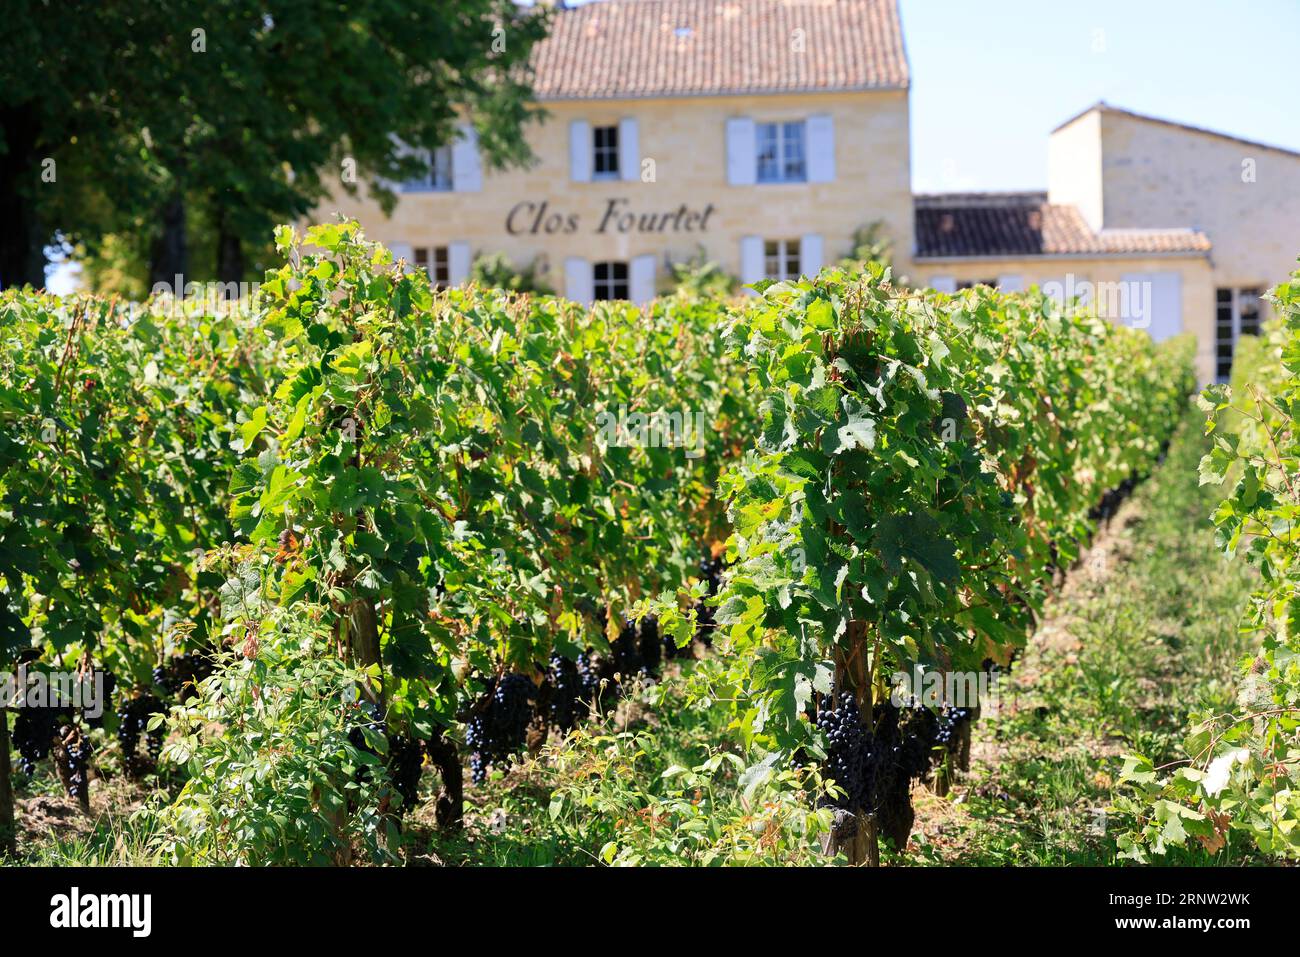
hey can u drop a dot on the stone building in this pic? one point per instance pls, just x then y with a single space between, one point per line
761 134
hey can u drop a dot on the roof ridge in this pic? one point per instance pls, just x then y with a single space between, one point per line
1105 107
982 198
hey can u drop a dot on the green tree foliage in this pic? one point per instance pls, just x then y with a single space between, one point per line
246 112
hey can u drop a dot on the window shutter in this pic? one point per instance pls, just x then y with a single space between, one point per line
466 167
742 152
1152 301
629 150
402 251
810 254
751 260
1166 305
641 279
821 149
580 151
943 284
577 280
1011 283
458 262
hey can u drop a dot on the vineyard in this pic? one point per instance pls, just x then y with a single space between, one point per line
373 572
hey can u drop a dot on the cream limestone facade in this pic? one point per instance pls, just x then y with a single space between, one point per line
1166 227
1131 176
1124 171
687 180
1124 289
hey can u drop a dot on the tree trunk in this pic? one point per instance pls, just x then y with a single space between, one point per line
7 845
857 835
169 253
22 246
964 742
230 255
449 810
363 641
855 832
864 848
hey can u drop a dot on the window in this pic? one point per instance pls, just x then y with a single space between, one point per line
1236 314
1247 312
437 175
781 259
604 141
972 283
609 281
781 153
436 262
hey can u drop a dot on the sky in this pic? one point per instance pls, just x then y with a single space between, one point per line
991 79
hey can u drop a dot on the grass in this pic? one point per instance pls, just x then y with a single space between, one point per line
1143 633
657 782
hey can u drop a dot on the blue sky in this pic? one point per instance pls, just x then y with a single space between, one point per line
990 79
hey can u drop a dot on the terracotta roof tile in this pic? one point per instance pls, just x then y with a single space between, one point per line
1026 224
655 48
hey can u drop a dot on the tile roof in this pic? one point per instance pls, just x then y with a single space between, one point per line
658 48
960 225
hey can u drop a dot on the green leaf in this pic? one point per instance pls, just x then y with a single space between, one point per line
860 432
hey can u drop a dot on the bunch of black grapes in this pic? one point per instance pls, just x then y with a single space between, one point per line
567 692
132 721
919 732
405 757
874 762
848 749
33 735
372 719
597 676
405 762
77 751
897 763
626 651
180 675
498 727
651 645
950 722
711 573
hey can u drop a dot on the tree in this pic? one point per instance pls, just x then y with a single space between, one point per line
57 97
247 111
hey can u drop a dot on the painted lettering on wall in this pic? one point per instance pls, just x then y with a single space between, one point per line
536 219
